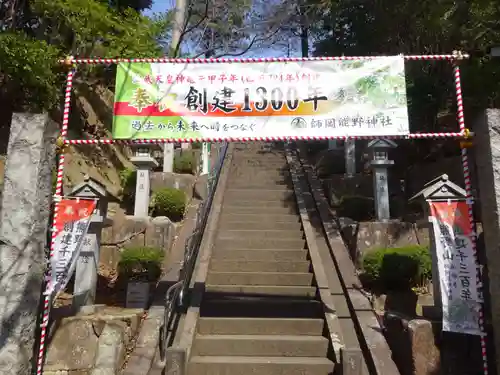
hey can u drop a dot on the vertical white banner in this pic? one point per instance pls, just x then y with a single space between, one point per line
457 267
72 223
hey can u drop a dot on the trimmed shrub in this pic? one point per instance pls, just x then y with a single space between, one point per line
185 162
397 268
169 202
141 263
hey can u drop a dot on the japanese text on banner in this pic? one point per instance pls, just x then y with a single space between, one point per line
457 267
276 99
72 223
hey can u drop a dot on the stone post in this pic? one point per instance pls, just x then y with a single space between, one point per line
24 220
380 165
350 157
168 157
205 158
487 133
439 189
144 163
87 264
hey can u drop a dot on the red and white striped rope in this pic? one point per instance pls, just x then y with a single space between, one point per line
67 103
260 139
460 102
470 207
103 60
47 298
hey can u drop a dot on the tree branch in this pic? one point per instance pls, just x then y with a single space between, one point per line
123 240
202 18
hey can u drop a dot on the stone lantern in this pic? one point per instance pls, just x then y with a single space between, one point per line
380 163
87 264
439 189
144 162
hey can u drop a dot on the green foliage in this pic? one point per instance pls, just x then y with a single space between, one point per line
169 202
397 268
128 178
356 207
196 145
28 71
141 263
185 162
425 27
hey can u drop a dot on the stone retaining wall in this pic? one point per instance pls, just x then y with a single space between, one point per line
95 343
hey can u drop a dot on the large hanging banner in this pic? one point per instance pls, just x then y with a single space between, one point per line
269 99
457 267
73 220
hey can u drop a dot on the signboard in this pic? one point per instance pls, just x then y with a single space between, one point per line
244 100
73 220
457 267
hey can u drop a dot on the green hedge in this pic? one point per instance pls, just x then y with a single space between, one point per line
397 268
185 162
169 202
141 263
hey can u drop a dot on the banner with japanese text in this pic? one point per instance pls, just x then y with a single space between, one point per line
73 220
456 266
265 99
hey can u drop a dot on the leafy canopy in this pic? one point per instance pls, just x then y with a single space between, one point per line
29 71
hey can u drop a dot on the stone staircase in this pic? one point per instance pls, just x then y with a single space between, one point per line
260 314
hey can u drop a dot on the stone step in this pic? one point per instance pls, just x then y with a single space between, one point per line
257 203
260 278
260 345
212 291
260 225
258 182
218 265
264 210
258 218
260 194
255 184
249 157
241 234
267 255
261 307
260 326
259 243
254 173
260 366
264 167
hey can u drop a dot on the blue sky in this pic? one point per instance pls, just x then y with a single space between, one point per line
164 5
161 6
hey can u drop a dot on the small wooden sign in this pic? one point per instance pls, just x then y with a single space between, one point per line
137 295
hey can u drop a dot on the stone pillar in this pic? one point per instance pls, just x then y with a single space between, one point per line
144 163
168 157
23 233
380 165
350 157
487 134
87 264
205 157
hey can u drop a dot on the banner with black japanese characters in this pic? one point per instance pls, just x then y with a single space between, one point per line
72 223
457 267
298 99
